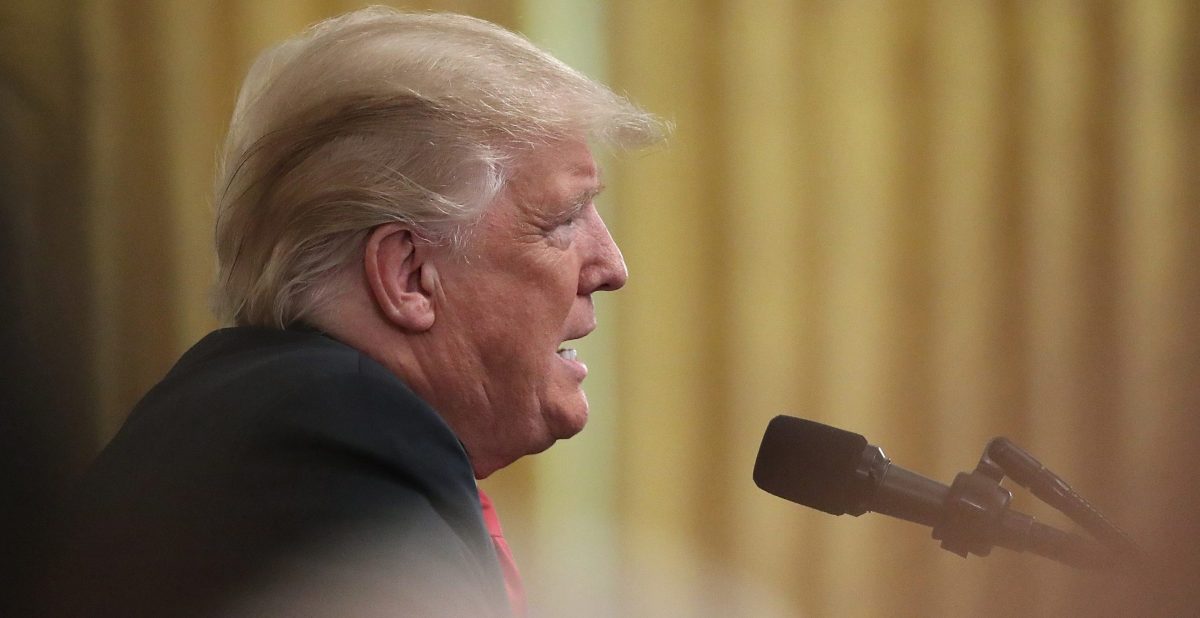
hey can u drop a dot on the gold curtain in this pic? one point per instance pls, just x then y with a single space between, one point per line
931 222
928 222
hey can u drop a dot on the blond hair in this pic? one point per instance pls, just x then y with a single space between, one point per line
382 116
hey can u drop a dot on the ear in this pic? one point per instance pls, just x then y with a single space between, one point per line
401 277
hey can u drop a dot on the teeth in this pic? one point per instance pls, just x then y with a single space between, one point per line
568 353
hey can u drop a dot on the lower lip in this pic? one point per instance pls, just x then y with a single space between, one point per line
578 369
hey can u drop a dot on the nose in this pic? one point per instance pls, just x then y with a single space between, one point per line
605 269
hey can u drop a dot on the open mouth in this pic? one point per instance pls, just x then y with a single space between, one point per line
570 358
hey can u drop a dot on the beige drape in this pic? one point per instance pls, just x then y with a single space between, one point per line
929 222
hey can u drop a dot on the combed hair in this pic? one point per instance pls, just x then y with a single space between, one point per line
382 116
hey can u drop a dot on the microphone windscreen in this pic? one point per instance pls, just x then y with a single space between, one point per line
809 463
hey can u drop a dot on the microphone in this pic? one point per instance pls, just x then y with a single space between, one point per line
838 472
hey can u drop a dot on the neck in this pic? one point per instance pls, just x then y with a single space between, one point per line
416 358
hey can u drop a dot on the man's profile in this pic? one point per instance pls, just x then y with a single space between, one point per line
407 246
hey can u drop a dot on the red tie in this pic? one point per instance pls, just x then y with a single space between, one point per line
512 577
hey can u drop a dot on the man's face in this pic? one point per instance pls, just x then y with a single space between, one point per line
511 305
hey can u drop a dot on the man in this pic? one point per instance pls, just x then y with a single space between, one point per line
407 245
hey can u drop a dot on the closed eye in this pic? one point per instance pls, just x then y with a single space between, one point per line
580 202
577 207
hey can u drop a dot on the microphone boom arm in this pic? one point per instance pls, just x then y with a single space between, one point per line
969 517
1002 456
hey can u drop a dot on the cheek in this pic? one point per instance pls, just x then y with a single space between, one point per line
551 286
521 314
522 329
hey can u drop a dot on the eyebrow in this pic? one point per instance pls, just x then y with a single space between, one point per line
580 200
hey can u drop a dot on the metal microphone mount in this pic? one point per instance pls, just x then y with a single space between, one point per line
976 516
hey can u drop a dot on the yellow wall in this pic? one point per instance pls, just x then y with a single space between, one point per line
929 222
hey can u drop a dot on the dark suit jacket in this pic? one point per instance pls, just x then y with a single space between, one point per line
279 473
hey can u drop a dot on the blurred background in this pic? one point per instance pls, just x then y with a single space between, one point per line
930 222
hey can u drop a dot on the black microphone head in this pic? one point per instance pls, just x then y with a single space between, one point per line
810 463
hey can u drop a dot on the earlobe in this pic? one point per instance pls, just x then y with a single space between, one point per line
395 264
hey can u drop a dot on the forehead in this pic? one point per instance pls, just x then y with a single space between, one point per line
556 174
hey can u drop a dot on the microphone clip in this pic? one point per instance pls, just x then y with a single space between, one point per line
974 516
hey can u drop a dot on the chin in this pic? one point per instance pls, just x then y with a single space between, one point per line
568 420
571 428
560 425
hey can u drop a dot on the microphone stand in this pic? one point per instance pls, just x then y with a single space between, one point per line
1002 454
976 514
